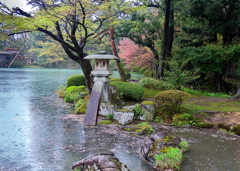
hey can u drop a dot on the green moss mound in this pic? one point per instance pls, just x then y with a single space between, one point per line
129 90
72 93
76 80
140 129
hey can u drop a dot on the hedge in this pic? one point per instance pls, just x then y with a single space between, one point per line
129 90
76 80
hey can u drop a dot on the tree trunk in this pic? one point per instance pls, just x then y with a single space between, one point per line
168 35
87 68
114 51
237 95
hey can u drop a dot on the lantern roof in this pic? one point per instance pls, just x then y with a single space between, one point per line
101 55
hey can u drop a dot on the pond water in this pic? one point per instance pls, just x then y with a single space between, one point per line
35 137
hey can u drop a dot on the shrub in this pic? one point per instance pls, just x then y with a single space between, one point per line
110 117
183 145
76 80
148 73
182 119
155 84
61 92
135 68
236 129
127 75
129 90
128 68
169 102
142 69
72 93
171 159
138 110
115 79
82 109
79 103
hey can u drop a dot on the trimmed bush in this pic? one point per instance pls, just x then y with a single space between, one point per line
76 80
127 75
72 93
155 84
129 90
169 102
142 69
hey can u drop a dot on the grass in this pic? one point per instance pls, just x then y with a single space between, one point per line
197 104
204 93
149 93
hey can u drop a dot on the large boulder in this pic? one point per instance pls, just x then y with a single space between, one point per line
100 162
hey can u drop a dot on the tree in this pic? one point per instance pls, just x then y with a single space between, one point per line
134 54
71 23
213 29
152 28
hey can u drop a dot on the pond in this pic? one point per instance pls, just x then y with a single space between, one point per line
37 132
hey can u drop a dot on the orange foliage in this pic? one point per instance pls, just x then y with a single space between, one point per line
134 54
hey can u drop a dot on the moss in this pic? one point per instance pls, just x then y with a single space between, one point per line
83 108
124 110
148 103
72 93
142 128
105 122
205 125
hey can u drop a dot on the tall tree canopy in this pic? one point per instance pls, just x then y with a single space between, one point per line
72 23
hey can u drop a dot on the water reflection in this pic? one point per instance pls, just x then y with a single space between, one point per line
37 135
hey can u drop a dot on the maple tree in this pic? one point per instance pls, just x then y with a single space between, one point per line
134 54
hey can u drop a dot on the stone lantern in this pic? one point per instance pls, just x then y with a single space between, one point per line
100 95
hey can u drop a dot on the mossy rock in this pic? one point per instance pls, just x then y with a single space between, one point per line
140 129
72 93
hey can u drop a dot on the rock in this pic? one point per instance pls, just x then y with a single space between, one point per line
157 143
100 162
140 129
106 109
148 110
123 116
